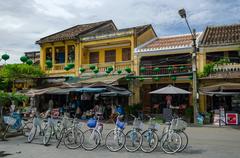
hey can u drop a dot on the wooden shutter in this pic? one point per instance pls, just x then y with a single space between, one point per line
94 57
110 56
126 54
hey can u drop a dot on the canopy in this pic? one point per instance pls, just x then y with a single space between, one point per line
221 87
88 90
170 90
116 93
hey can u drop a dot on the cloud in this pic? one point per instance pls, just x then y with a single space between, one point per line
24 22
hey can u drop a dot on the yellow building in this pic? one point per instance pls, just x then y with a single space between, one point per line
220 47
100 44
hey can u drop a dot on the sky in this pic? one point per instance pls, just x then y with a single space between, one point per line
22 22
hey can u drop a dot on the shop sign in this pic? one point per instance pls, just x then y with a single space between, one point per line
232 118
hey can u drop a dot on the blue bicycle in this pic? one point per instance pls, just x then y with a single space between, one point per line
15 123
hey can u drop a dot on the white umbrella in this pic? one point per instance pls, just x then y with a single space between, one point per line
170 89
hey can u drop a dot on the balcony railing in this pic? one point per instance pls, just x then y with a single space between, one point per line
102 67
165 69
57 68
227 67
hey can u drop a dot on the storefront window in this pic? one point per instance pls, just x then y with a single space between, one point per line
71 53
48 53
59 55
126 54
110 56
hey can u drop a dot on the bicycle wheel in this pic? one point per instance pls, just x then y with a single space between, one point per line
32 134
150 141
133 140
26 129
47 135
58 131
170 143
73 138
184 139
115 140
62 134
92 139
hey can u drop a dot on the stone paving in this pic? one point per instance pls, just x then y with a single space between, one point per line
204 142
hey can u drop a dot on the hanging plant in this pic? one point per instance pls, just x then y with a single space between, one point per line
82 70
141 79
71 65
142 69
23 59
156 69
92 67
66 68
5 57
174 78
96 71
156 78
128 70
119 72
190 77
29 62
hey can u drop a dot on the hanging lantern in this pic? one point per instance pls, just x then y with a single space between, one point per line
170 68
190 77
49 64
156 69
141 79
71 65
23 59
174 78
119 72
5 57
107 71
182 68
156 78
66 68
110 68
29 62
96 71
128 70
82 70
92 67
142 69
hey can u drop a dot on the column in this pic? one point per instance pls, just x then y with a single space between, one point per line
77 58
66 54
53 56
42 57
132 52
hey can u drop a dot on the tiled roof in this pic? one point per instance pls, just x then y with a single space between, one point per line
168 42
73 32
139 29
221 35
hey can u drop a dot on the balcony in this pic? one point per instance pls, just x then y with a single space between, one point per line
166 69
102 67
58 69
230 67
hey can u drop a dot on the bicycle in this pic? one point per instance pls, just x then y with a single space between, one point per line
72 136
35 124
179 126
115 139
16 123
134 137
150 137
51 128
93 136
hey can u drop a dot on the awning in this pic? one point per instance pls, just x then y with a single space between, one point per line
60 91
35 92
221 87
170 89
110 79
221 93
88 90
116 93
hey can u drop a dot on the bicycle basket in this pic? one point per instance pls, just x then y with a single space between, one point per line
66 123
151 125
120 124
92 123
9 120
137 124
179 124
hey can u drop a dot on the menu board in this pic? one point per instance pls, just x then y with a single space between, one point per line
219 118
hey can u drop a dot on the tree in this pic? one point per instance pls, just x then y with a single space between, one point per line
11 72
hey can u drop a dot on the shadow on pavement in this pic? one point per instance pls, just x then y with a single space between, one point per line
3 154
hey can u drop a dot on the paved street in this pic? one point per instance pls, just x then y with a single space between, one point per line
203 142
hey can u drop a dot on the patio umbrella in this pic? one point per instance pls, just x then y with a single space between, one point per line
170 89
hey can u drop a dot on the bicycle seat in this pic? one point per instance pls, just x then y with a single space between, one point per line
45 120
25 119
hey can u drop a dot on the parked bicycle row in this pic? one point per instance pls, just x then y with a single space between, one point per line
69 131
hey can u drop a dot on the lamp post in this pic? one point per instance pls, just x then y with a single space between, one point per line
183 15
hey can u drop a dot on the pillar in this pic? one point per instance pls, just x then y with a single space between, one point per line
66 54
42 57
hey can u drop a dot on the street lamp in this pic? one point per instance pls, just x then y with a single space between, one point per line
183 15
